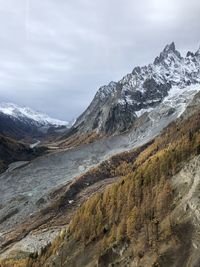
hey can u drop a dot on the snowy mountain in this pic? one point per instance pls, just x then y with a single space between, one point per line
117 106
27 113
25 123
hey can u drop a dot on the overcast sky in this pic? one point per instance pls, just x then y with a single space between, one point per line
55 54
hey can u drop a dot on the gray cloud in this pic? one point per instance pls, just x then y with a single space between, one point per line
55 54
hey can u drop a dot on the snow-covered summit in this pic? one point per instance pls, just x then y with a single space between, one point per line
170 67
117 105
25 113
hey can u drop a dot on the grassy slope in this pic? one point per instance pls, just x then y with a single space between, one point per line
133 212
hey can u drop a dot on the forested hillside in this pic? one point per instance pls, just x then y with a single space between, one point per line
133 217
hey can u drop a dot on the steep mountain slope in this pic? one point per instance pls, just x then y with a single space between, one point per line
149 218
24 123
117 106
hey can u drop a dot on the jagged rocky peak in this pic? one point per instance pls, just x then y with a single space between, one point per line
117 105
136 70
190 54
106 90
169 50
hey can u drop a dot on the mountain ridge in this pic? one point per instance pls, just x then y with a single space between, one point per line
42 118
25 123
113 108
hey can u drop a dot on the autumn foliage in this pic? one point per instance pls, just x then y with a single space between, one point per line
137 204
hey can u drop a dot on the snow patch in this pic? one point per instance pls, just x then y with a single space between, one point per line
179 98
142 111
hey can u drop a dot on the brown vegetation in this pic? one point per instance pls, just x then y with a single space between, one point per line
77 140
135 210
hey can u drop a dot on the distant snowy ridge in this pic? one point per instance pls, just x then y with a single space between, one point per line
22 113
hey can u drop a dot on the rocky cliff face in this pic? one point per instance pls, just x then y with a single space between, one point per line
117 105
